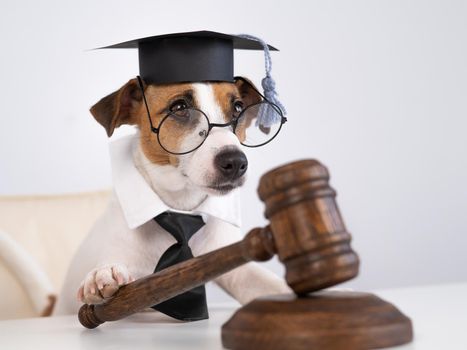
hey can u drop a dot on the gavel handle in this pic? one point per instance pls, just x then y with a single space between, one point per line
258 245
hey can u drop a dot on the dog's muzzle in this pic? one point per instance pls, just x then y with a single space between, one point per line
231 164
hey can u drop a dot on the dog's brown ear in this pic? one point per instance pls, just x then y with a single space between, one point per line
247 91
249 94
120 107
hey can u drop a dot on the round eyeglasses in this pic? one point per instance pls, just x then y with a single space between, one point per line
255 126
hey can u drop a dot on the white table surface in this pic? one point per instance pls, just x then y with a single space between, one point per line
439 314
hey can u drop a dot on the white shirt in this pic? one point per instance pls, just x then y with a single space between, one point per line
126 235
141 204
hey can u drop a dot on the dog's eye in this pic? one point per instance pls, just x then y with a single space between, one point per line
178 105
238 107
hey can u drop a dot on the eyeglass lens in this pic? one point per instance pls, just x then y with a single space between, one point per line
185 130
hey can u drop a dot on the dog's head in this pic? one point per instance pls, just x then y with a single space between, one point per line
218 165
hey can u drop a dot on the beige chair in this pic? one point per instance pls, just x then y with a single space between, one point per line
38 237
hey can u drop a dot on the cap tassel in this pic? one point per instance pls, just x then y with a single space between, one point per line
267 116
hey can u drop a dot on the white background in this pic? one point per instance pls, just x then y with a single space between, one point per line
376 90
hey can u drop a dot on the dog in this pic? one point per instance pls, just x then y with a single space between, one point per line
125 243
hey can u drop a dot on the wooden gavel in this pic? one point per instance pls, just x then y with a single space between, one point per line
306 231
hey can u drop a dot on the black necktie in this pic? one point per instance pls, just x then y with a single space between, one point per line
191 305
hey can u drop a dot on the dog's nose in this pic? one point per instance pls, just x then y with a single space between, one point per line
232 164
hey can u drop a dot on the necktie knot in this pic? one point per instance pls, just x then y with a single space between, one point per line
181 226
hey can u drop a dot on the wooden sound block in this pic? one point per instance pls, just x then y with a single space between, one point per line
323 320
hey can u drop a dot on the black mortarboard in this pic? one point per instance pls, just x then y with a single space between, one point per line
188 57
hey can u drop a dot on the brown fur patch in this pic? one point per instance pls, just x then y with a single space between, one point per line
247 93
159 98
249 97
118 107
225 95
125 106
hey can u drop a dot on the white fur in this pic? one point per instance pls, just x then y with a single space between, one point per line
114 254
199 165
204 96
171 183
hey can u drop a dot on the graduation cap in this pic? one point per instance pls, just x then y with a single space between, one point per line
196 57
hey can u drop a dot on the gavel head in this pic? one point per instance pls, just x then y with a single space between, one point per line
309 235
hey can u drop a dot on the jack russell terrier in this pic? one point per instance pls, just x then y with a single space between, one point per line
125 243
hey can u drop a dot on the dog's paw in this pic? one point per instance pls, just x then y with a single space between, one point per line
102 282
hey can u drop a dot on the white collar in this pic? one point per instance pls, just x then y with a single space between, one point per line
141 204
